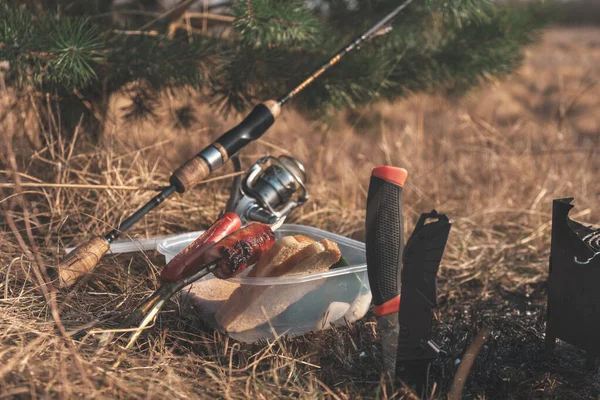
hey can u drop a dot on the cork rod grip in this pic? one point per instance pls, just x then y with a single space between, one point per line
190 174
80 261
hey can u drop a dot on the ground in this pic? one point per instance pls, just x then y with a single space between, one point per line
493 161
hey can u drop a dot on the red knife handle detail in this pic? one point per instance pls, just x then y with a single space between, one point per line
384 229
389 307
391 174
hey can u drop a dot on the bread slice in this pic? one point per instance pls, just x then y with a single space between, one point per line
281 250
304 239
252 305
321 261
208 295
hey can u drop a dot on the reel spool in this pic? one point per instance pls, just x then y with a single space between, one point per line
272 188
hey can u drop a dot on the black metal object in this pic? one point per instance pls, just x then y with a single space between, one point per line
573 308
422 256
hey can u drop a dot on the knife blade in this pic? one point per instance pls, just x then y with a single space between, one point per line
384 244
422 256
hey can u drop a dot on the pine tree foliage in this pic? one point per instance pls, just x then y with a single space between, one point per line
275 23
64 53
273 44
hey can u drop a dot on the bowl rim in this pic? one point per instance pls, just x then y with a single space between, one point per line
296 279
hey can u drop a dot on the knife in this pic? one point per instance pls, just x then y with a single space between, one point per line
422 256
384 245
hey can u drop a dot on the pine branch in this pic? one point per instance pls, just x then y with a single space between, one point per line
64 53
275 23
425 54
435 45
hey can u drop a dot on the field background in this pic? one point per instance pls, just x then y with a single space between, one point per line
493 161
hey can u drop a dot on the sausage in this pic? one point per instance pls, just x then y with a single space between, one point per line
192 257
235 252
241 249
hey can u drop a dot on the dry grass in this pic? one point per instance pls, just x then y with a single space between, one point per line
493 161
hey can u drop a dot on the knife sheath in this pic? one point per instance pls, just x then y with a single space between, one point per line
422 256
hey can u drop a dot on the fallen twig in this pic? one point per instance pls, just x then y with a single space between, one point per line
465 366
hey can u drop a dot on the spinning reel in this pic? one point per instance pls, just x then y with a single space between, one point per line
271 189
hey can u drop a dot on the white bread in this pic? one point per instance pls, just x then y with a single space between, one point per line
252 305
279 252
209 294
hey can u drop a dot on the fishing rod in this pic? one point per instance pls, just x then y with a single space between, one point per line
85 257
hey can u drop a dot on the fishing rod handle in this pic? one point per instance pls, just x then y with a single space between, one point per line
226 146
79 261
384 228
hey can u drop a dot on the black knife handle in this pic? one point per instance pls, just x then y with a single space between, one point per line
384 230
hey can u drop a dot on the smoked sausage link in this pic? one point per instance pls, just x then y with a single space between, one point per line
193 256
241 249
